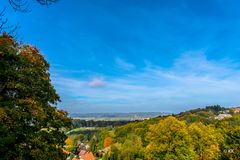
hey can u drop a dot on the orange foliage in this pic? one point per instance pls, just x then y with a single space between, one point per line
107 142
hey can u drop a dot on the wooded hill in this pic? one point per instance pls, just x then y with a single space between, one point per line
195 134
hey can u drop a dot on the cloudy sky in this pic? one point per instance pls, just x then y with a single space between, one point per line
138 55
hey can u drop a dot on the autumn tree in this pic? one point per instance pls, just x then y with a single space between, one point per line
31 127
72 143
131 149
206 141
107 142
231 146
169 139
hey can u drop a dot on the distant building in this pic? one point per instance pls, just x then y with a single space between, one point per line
222 116
236 110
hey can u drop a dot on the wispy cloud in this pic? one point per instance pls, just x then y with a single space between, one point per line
123 64
192 81
97 82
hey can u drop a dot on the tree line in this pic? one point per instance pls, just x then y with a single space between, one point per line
77 123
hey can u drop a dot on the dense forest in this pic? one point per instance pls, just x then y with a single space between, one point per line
194 134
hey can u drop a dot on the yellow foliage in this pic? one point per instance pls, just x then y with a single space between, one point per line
206 140
69 141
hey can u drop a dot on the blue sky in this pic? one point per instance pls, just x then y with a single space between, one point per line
138 55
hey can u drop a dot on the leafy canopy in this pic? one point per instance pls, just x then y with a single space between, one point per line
31 127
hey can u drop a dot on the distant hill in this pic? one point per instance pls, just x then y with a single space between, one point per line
116 116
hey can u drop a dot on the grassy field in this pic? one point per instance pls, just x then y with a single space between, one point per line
82 130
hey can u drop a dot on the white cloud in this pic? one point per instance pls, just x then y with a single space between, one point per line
97 82
123 64
192 81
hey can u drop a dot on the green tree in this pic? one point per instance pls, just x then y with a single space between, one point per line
114 153
132 148
31 127
231 146
206 141
169 139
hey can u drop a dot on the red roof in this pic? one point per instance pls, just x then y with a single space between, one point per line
88 156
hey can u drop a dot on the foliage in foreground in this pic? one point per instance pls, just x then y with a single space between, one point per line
30 125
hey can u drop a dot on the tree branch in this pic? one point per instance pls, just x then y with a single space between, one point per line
23 5
5 26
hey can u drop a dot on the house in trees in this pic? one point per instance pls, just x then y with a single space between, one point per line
236 110
223 116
